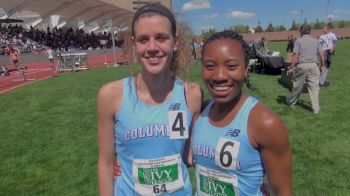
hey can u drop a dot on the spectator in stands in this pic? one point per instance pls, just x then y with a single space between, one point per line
305 68
7 50
327 41
33 40
14 57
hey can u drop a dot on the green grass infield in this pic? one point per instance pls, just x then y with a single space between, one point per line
48 131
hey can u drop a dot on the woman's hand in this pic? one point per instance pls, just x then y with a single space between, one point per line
116 169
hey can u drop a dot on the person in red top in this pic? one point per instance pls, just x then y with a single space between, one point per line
14 57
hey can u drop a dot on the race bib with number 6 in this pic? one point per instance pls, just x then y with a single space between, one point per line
178 125
157 176
212 182
226 153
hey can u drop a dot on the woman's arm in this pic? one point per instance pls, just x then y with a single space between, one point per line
194 98
188 155
269 134
107 102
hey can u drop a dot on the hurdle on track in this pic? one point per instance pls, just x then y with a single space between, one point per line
22 74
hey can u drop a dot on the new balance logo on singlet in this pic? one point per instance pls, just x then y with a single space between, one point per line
233 132
174 106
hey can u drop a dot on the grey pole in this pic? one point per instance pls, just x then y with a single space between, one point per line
114 56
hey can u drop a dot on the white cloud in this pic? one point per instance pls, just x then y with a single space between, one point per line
205 27
339 11
240 14
211 16
294 13
332 16
196 5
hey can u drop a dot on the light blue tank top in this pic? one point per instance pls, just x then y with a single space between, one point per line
225 160
141 135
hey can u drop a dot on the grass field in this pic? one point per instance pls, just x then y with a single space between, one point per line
48 137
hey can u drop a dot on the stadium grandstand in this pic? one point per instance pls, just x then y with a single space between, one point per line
31 24
91 27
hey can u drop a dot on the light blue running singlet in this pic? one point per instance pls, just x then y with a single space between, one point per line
226 162
150 142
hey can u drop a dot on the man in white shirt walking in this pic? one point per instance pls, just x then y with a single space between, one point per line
327 41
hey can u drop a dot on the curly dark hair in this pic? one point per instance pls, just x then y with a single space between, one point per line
228 34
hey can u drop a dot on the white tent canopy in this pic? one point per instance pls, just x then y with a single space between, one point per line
119 11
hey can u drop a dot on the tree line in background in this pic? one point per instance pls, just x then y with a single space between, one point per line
271 28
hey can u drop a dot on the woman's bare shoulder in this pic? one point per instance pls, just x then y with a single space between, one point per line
266 126
113 88
110 96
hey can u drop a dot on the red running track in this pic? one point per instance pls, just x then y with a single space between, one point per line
41 70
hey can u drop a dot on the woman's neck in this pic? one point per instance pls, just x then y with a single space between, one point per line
223 114
154 89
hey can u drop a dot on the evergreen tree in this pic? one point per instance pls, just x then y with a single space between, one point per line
347 23
317 24
208 33
280 28
294 27
305 21
270 28
258 29
341 24
240 28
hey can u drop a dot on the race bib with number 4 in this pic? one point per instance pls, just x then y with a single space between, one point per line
178 125
157 176
212 182
226 153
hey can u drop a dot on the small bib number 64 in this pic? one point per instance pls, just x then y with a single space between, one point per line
178 125
226 153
